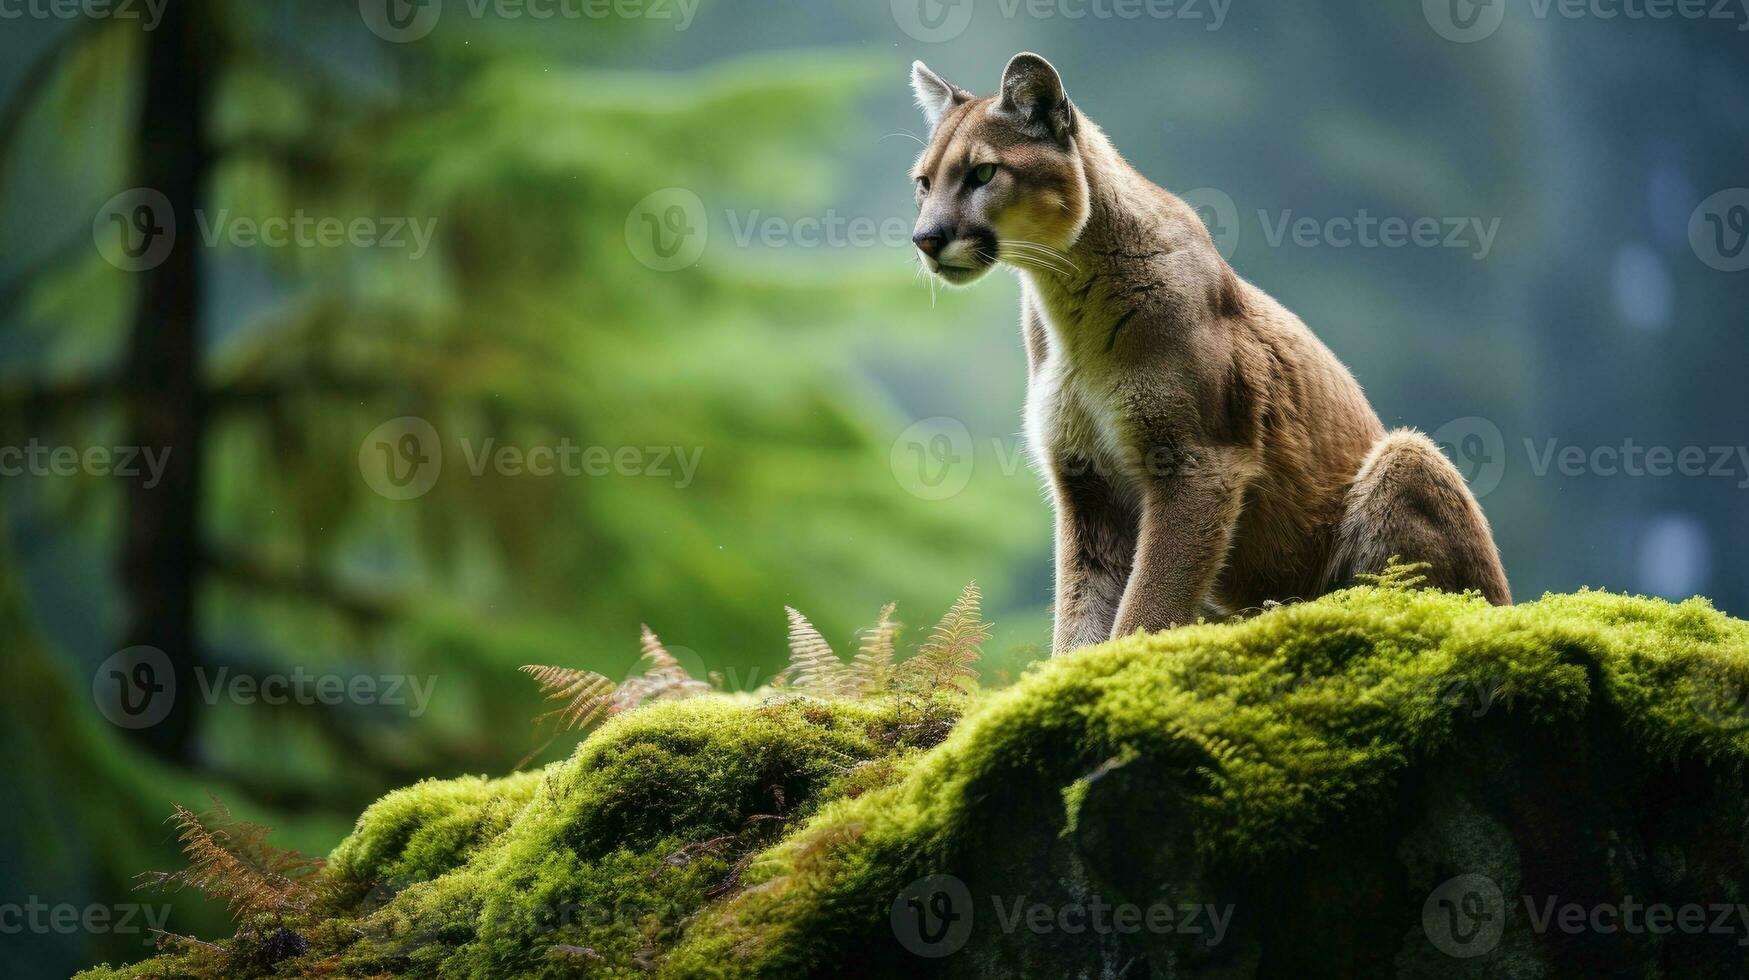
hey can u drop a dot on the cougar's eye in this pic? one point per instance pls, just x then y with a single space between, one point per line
923 184
981 174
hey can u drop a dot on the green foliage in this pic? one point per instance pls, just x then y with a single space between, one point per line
735 838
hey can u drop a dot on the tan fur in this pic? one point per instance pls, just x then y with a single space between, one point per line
1203 448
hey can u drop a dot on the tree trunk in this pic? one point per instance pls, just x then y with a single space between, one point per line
161 547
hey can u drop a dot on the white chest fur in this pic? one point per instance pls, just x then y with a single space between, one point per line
1071 416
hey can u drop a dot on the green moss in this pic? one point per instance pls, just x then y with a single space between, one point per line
420 832
722 837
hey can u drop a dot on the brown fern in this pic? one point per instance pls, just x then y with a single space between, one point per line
589 697
231 861
872 668
664 679
813 667
954 645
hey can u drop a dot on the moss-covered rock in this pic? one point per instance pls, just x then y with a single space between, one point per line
1380 783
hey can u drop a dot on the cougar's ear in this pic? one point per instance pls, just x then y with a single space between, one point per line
935 95
1032 93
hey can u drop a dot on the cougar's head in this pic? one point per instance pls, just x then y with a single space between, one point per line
1000 178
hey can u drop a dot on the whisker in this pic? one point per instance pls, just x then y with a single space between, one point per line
919 140
1042 250
1029 261
1047 250
1035 258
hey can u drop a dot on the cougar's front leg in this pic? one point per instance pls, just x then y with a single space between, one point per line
1095 547
1187 524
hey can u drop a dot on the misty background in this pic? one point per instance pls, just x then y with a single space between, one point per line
454 336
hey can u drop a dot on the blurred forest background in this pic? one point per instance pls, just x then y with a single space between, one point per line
683 235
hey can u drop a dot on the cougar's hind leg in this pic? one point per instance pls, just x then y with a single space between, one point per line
1408 500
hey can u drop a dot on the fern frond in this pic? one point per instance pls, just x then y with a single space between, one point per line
1398 575
664 679
872 668
954 645
668 678
589 697
813 667
232 862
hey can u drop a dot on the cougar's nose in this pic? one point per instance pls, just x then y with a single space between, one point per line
930 241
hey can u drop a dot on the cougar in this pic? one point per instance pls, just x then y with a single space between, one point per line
1204 451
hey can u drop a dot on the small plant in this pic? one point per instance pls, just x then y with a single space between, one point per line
873 663
231 861
944 662
956 643
1398 575
591 697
